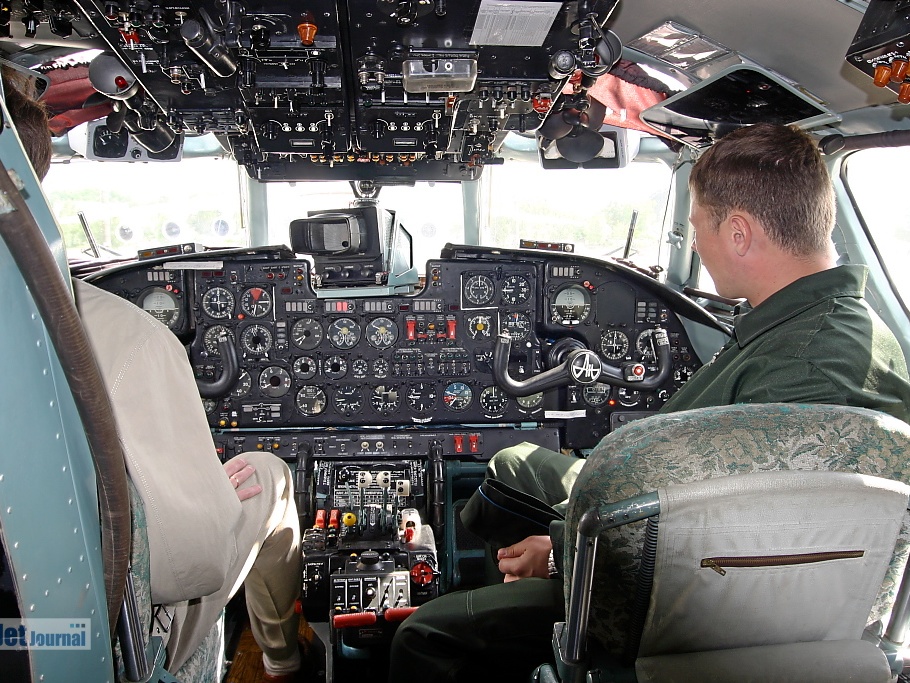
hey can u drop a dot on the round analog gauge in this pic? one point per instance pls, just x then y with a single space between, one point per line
256 339
209 405
162 304
628 397
614 345
421 397
380 368
256 302
359 368
571 305
494 401
344 333
385 399
218 303
531 402
335 367
348 399
274 381
382 333
480 326
457 396
645 345
310 400
596 394
516 325
305 367
479 290
515 290
211 336
306 334
243 386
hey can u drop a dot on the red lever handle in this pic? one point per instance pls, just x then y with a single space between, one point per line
356 619
398 613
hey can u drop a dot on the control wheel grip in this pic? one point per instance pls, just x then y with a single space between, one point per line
581 367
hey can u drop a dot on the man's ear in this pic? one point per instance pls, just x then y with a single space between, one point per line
741 233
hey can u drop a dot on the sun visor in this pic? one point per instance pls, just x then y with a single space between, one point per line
737 96
725 90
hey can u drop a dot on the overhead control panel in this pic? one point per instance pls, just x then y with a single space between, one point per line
881 46
492 339
358 89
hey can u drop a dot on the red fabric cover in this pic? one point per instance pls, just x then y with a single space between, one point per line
624 99
65 99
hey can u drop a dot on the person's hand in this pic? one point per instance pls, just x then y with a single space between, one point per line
238 471
529 557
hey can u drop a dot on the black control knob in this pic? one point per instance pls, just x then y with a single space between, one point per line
368 558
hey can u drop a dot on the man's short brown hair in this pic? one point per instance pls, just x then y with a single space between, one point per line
30 118
775 173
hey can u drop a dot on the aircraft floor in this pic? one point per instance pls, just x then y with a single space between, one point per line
246 663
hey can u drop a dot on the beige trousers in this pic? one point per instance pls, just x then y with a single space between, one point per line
268 541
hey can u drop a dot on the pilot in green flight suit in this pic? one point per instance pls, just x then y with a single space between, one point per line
763 213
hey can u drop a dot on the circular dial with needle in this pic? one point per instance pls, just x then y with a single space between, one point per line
256 302
614 345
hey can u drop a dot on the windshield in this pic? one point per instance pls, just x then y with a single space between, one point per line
133 206
431 212
591 209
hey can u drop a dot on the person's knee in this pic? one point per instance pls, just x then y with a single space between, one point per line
509 460
271 471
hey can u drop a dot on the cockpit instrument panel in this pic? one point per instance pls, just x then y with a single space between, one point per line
424 360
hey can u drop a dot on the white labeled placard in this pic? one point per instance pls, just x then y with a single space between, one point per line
502 22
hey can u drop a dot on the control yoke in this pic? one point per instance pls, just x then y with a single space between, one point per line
230 372
582 366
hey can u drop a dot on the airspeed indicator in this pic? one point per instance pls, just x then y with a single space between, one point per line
256 302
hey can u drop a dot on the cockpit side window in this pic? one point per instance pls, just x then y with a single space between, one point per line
866 174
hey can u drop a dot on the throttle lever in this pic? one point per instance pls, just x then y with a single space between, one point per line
581 366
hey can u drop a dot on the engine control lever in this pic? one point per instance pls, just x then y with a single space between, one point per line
438 479
582 366
230 372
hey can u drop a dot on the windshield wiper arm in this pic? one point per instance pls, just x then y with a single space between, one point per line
93 245
94 249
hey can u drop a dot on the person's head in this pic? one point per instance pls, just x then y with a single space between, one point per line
30 118
762 200
776 174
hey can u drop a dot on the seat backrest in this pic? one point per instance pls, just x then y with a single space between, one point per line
702 444
770 558
207 664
